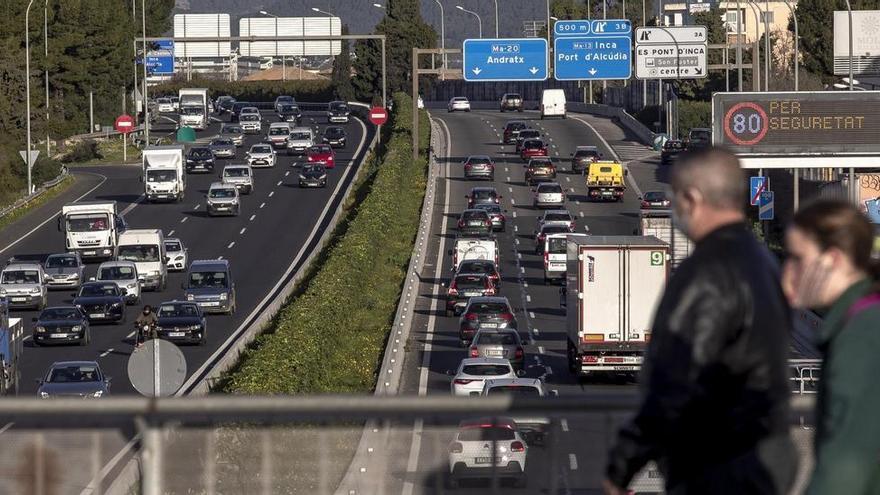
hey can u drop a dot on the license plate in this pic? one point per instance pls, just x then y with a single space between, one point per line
96 315
474 224
491 352
18 299
557 265
214 303
607 193
59 335
489 325
88 253
176 334
471 294
625 368
486 460
221 208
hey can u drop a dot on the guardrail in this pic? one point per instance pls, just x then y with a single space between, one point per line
21 203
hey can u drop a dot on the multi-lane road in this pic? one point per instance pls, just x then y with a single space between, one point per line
278 226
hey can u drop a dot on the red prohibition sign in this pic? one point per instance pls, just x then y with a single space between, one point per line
736 139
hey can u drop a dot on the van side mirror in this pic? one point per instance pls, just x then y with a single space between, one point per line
521 373
449 252
59 223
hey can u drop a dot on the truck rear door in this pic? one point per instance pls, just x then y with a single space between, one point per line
602 288
645 280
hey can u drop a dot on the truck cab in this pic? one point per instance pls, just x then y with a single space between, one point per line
91 228
146 248
164 173
605 181
193 107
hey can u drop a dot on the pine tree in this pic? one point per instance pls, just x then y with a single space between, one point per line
341 76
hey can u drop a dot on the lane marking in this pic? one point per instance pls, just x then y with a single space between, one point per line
241 232
262 205
279 183
531 314
528 298
271 193
183 220
287 173
540 349
105 353
196 207
563 423
252 217
581 213
572 462
170 233
230 245
130 335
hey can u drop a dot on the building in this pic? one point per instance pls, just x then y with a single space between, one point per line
752 20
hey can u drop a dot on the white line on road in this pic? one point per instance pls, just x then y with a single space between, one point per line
540 349
262 205
512 201
130 335
528 298
230 245
240 232
519 256
516 240
525 284
253 217
563 423
531 314
514 216
183 220
568 179
522 270
196 207
535 331
279 183
509 189
287 173
572 462
170 233
271 193
515 228
581 214
105 353
6 427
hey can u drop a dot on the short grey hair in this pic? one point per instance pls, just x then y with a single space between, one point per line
716 173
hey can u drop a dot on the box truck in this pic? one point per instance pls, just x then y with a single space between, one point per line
90 228
193 107
658 223
164 173
613 286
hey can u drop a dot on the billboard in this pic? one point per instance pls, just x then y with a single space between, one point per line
261 27
866 42
201 26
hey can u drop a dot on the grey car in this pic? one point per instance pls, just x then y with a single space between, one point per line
64 270
502 343
479 166
241 176
485 312
74 379
233 132
209 284
223 199
223 148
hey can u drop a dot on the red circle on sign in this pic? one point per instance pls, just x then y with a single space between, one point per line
736 139
124 124
378 115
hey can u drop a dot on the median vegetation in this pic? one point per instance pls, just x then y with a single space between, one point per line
330 337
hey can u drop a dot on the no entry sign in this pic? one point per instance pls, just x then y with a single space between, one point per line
124 124
378 115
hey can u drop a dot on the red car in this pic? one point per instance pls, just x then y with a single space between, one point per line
321 153
532 148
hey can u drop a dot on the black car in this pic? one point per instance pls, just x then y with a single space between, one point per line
200 159
671 149
511 130
334 136
524 135
181 321
653 200
224 104
76 379
337 112
475 222
289 112
101 301
484 312
496 214
464 286
313 175
481 266
61 325
511 101
483 195
236 110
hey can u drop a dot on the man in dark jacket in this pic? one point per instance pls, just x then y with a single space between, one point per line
714 413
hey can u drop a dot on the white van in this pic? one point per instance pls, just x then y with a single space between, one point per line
553 103
146 249
467 248
555 256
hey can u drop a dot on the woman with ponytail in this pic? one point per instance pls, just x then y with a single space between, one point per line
829 267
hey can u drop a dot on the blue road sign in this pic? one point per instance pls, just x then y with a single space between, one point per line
757 185
160 60
514 59
765 206
610 27
571 28
592 58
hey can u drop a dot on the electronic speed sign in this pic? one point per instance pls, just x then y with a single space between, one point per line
797 123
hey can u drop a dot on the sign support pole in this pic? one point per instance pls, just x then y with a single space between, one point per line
124 147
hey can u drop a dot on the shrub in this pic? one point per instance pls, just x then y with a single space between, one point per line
82 151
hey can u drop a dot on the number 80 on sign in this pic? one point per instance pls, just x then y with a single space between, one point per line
745 124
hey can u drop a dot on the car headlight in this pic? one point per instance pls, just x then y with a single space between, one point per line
154 273
2 291
77 328
302 177
40 329
193 328
131 287
36 290
190 297
117 305
99 393
179 257
224 296
44 395
323 177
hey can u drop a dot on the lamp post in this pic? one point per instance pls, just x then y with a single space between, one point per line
739 50
796 44
144 63
27 85
283 61
755 48
766 45
46 54
443 38
496 18
471 12
849 11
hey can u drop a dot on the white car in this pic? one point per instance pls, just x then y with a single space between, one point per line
261 155
459 103
533 428
472 372
548 195
23 283
555 256
125 274
300 140
165 105
555 217
250 123
177 254
486 447
249 111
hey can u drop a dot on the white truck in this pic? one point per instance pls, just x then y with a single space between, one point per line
91 228
164 173
473 248
658 223
613 287
193 107
146 248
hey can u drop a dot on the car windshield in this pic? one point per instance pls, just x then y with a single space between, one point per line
161 175
516 126
60 314
20 277
316 168
138 252
300 136
236 172
334 132
173 247
469 282
200 153
488 307
459 99
493 338
486 434
339 108
222 192
74 374
702 136
557 217
279 131
489 208
476 266
529 133
556 245
98 290
475 160
289 108
177 310
473 215
655 196
555 229
320 149
64 261
222 142
483 193
533 144
513 96
250 117
486 369
116 273
200 280
231 130
87 223
284 99
550 189
515 390
191 111
261 149
586 153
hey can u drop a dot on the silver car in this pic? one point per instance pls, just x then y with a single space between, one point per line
125 274
64 270
261 155
499 343
473 372
223 199
223 148
555 217
242 176
250 123
24 285
177 254
549 195
300 140
74 379
233 132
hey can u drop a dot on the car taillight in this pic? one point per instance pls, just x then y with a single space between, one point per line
645 204
475 352
467 166
460 223
519 353
488 223
546 259
462 381
506 316
311 158
456 448
453 290
590 359
470 317
517 447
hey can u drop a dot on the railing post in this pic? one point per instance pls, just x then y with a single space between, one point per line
266 462
151 457
210 462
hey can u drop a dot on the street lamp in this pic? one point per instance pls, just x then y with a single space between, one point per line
796 43
283 59
496 18
27 85
316 9
442 39
471 12
46 48
378 5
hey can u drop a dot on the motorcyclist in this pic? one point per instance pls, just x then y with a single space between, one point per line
146 319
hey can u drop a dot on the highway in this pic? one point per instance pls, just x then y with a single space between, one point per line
576 459
278 226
